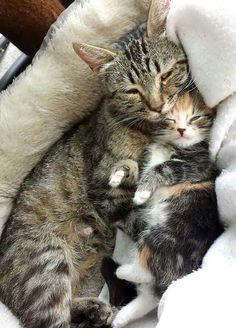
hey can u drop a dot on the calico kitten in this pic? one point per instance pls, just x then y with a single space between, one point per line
180 220
59 229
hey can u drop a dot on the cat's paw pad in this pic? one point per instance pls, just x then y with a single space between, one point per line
141 197
100 313
120 321
95 313
116 178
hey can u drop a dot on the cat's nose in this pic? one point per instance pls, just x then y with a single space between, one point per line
181 131
156 109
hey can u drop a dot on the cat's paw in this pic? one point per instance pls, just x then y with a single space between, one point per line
141 197
116 178
120 320
125 171
121 272
91 312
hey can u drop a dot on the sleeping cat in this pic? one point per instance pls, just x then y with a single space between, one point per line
59 229
179 222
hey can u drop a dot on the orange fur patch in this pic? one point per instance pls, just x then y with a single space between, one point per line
144 256
176 190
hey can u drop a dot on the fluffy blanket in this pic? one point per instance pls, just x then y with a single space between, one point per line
207 30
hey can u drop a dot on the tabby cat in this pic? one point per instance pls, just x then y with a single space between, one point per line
179 222
59 229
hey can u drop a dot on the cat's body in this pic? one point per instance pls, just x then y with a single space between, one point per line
180 221
59 229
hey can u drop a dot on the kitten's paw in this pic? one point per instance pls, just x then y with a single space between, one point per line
122 271
116 178
141 197
120 320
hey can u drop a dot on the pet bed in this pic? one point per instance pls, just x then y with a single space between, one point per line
207 30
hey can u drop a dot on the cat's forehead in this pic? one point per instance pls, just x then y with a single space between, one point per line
159 52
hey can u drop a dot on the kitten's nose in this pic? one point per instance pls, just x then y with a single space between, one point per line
181 131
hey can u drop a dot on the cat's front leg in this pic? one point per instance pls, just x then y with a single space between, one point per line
144 303
147 185
134 273
125 171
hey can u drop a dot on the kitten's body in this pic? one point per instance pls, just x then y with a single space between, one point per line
57 233
180 221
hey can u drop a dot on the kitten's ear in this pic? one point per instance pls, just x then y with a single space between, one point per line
157 17
95 57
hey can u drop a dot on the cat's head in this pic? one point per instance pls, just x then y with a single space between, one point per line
188 122
145 77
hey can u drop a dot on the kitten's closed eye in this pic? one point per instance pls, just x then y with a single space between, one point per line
195 118
170 120
200 118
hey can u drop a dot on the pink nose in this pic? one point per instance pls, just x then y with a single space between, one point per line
181 131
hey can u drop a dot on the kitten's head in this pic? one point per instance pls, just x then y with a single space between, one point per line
188 122
146 76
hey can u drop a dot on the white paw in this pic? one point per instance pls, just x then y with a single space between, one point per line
116 178
120 320
121 272
141 197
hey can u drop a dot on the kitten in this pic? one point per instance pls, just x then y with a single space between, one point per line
59 230
180 220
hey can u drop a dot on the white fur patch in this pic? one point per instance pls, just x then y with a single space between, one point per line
144 303
156 213
134 272
141 197
159 155
116 179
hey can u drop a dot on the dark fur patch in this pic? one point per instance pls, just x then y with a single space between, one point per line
121 292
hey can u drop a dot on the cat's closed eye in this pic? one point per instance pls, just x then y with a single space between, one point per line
132 91
166 75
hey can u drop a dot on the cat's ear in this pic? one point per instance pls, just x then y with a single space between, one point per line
157 17
95 57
